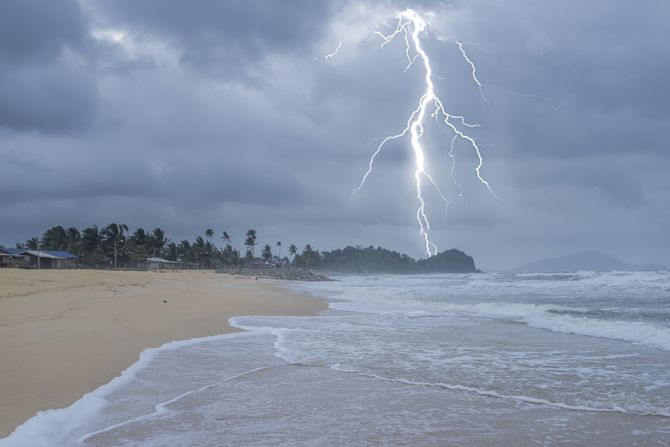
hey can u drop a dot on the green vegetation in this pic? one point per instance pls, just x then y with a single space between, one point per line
267 253
381 260
115 246
452 261
250 243
369 259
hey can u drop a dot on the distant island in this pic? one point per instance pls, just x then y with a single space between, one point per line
381 260
116 246
586 260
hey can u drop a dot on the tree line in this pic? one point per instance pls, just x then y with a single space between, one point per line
116 246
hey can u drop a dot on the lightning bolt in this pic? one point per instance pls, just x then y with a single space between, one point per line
474 73
331 54
481 86
411 25
453 166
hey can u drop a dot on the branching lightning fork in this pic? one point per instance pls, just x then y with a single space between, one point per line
411 25
333 53
474 73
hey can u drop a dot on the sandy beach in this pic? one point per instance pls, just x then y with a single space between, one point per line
64 333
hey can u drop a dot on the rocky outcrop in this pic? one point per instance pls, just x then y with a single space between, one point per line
284 273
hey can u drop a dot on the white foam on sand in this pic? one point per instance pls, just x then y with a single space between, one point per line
56 426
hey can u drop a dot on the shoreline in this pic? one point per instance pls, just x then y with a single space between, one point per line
65 333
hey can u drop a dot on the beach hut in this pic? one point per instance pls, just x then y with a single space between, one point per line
10 257
50 259
156 263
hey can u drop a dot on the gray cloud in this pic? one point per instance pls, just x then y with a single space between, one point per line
35 30
222 37
44 82
219 115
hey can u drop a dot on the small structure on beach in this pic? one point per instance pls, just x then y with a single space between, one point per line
50 259
260 263
10 257
156 263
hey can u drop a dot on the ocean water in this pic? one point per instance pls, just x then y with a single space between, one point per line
423 360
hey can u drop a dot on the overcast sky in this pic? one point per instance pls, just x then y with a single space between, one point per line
224 115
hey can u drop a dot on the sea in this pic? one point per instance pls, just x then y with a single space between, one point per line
482 359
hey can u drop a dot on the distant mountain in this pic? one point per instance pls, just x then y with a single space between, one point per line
587 260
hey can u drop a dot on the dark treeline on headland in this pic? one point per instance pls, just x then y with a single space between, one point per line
116 246
380 260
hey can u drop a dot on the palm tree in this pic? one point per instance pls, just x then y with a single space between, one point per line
293 251
250 242
227 250
307 254
34 244
115 232
73 237
209 247
199 247
184 251
228 254
172 251
267 253
158 240
55 238
141 244
122 240
209 234
91 238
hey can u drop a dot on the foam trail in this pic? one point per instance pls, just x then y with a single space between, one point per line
161 408
494 394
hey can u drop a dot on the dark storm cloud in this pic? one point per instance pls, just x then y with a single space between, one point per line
51 98
218 114
224 36
43 85
37 30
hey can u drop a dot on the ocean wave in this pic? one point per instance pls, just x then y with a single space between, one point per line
631 331
627 306
571 321
492 394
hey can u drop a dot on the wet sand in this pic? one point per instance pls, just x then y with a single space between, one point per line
64 333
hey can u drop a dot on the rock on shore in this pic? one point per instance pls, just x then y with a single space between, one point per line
285 273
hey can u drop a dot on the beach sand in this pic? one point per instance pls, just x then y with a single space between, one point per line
64 333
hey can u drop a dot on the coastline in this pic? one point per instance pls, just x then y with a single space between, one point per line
64 333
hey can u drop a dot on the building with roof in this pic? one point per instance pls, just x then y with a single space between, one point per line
50 259
156 263
260 263
10 257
